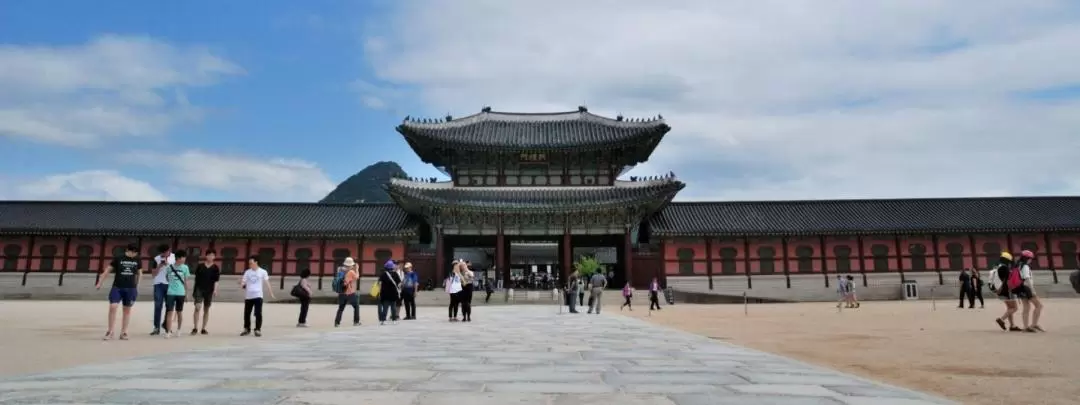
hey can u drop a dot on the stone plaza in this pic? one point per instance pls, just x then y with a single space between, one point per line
509 355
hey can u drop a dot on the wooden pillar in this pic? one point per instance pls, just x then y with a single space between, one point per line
746 262
937 259
899 257
501 269
360 262
64 266
567 254
101 258
30 261
628 257
862 261
974 254
248 254
1050 256
322 260
709 260
784 256
284 262
440 256
824 260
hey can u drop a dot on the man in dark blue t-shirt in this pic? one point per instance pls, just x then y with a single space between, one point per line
124 288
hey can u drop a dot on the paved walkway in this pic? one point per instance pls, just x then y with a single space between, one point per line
509 356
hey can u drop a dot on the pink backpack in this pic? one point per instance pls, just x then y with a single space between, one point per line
1014 281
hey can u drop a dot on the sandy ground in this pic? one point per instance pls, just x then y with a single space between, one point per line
47 335
960 354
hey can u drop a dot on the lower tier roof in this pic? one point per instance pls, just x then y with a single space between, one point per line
946 215
557 198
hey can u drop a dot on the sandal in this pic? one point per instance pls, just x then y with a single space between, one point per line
108 336
1030 330
123 336
1015 329
1037 328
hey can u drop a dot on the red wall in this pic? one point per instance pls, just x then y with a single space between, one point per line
1063 258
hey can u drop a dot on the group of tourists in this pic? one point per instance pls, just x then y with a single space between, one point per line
395 288
171 279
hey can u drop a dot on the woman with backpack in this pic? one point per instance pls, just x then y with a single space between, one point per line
999 278
1025 291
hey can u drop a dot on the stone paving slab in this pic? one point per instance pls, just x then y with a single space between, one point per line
509 355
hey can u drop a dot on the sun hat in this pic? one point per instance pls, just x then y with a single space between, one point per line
349 262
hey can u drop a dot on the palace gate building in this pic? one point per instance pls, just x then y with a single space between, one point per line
528 193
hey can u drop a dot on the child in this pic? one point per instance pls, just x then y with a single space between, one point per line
628 294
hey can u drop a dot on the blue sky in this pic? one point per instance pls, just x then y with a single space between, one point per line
280 100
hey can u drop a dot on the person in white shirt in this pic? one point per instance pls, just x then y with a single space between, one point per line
162 261
254 281
1026 293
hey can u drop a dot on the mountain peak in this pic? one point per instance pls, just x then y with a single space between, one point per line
366 185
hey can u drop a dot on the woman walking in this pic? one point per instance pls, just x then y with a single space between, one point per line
452 284
467 279
389 293
1000 285
654 294
1026 293
977 283
628 294
302 292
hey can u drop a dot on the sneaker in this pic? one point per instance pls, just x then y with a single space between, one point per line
356 324
258 333
1001 324
245 333
204 332
381 323
301 325
194 332
1015 329
167 335
155 332
393 322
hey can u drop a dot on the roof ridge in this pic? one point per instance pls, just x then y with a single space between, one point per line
192 203
875 200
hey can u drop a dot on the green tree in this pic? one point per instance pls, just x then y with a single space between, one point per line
586 266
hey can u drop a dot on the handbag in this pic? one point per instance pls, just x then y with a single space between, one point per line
299 291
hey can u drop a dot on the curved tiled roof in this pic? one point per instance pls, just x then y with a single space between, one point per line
534 197
204 219
940 215
530 131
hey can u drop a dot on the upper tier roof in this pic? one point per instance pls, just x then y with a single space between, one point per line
204 219
825 217
546 198
530 131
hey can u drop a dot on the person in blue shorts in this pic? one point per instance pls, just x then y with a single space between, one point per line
127 273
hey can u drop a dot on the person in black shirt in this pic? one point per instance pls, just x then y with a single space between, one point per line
207 275
124 290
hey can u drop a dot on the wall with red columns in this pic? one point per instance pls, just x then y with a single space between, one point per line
880 253
278 256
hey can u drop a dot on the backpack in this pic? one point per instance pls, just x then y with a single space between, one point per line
993 277
1014 278
338 285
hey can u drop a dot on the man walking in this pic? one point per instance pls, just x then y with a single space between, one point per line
598 283
207 275
408 291
345 286
124 288
254 282
654 295
163 260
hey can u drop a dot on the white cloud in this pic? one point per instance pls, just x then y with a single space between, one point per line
774 98
247 178
96 185
111 86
